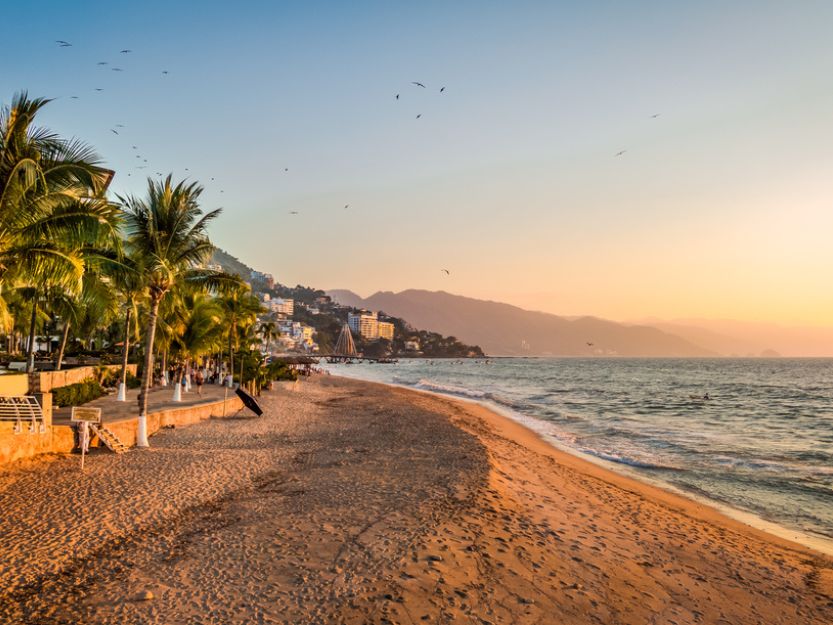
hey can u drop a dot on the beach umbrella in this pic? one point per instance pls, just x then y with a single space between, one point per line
249 401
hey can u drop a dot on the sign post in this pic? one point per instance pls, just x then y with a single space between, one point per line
85 416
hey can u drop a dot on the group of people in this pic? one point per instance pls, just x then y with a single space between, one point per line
196 377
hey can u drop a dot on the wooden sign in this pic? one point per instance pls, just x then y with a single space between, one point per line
90 415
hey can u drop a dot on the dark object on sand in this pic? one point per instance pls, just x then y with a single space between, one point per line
249 401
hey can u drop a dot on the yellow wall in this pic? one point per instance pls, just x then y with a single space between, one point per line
13 384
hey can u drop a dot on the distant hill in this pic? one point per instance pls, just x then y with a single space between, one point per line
503 329
743 338
230 264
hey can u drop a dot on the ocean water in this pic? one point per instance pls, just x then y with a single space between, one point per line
762 443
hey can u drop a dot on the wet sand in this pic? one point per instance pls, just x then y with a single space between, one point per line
350 502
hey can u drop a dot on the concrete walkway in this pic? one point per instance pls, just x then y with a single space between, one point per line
160 398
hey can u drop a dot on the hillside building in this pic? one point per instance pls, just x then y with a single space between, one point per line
367 325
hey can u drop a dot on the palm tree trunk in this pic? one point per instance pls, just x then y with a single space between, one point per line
30 348
59 361
231 353
126 345
147 372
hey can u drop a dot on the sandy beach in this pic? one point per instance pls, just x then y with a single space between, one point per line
351 502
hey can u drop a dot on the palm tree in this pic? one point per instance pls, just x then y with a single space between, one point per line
51 205
268 330
168 240
241 309
125 277
199 328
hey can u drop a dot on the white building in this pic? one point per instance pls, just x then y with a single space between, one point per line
283 307
367 325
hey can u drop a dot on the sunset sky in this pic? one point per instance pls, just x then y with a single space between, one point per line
720 207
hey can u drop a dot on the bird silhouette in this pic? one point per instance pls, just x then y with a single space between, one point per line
418 84
116 69
115 132
655 115
286 168
447 272
119 125
346 206
418 116
293 212
63 44
102 63
73 97
212 178
99 89
125 51
589 344
442 89
620 153
134 147
397 96
164 72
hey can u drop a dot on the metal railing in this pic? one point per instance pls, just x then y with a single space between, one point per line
22 409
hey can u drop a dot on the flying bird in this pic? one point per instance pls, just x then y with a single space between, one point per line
119 125
346 206
102 63
286 168
418 116
134 147
115 132
447 272
442 89
212 178
117 69
620 153
418 84
63 44
99 89
125 51
589 344
293 212
73 97
164 72
397 96
655 115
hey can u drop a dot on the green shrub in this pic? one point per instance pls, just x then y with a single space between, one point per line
77 394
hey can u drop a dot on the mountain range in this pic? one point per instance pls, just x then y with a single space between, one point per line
503 329
506 330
